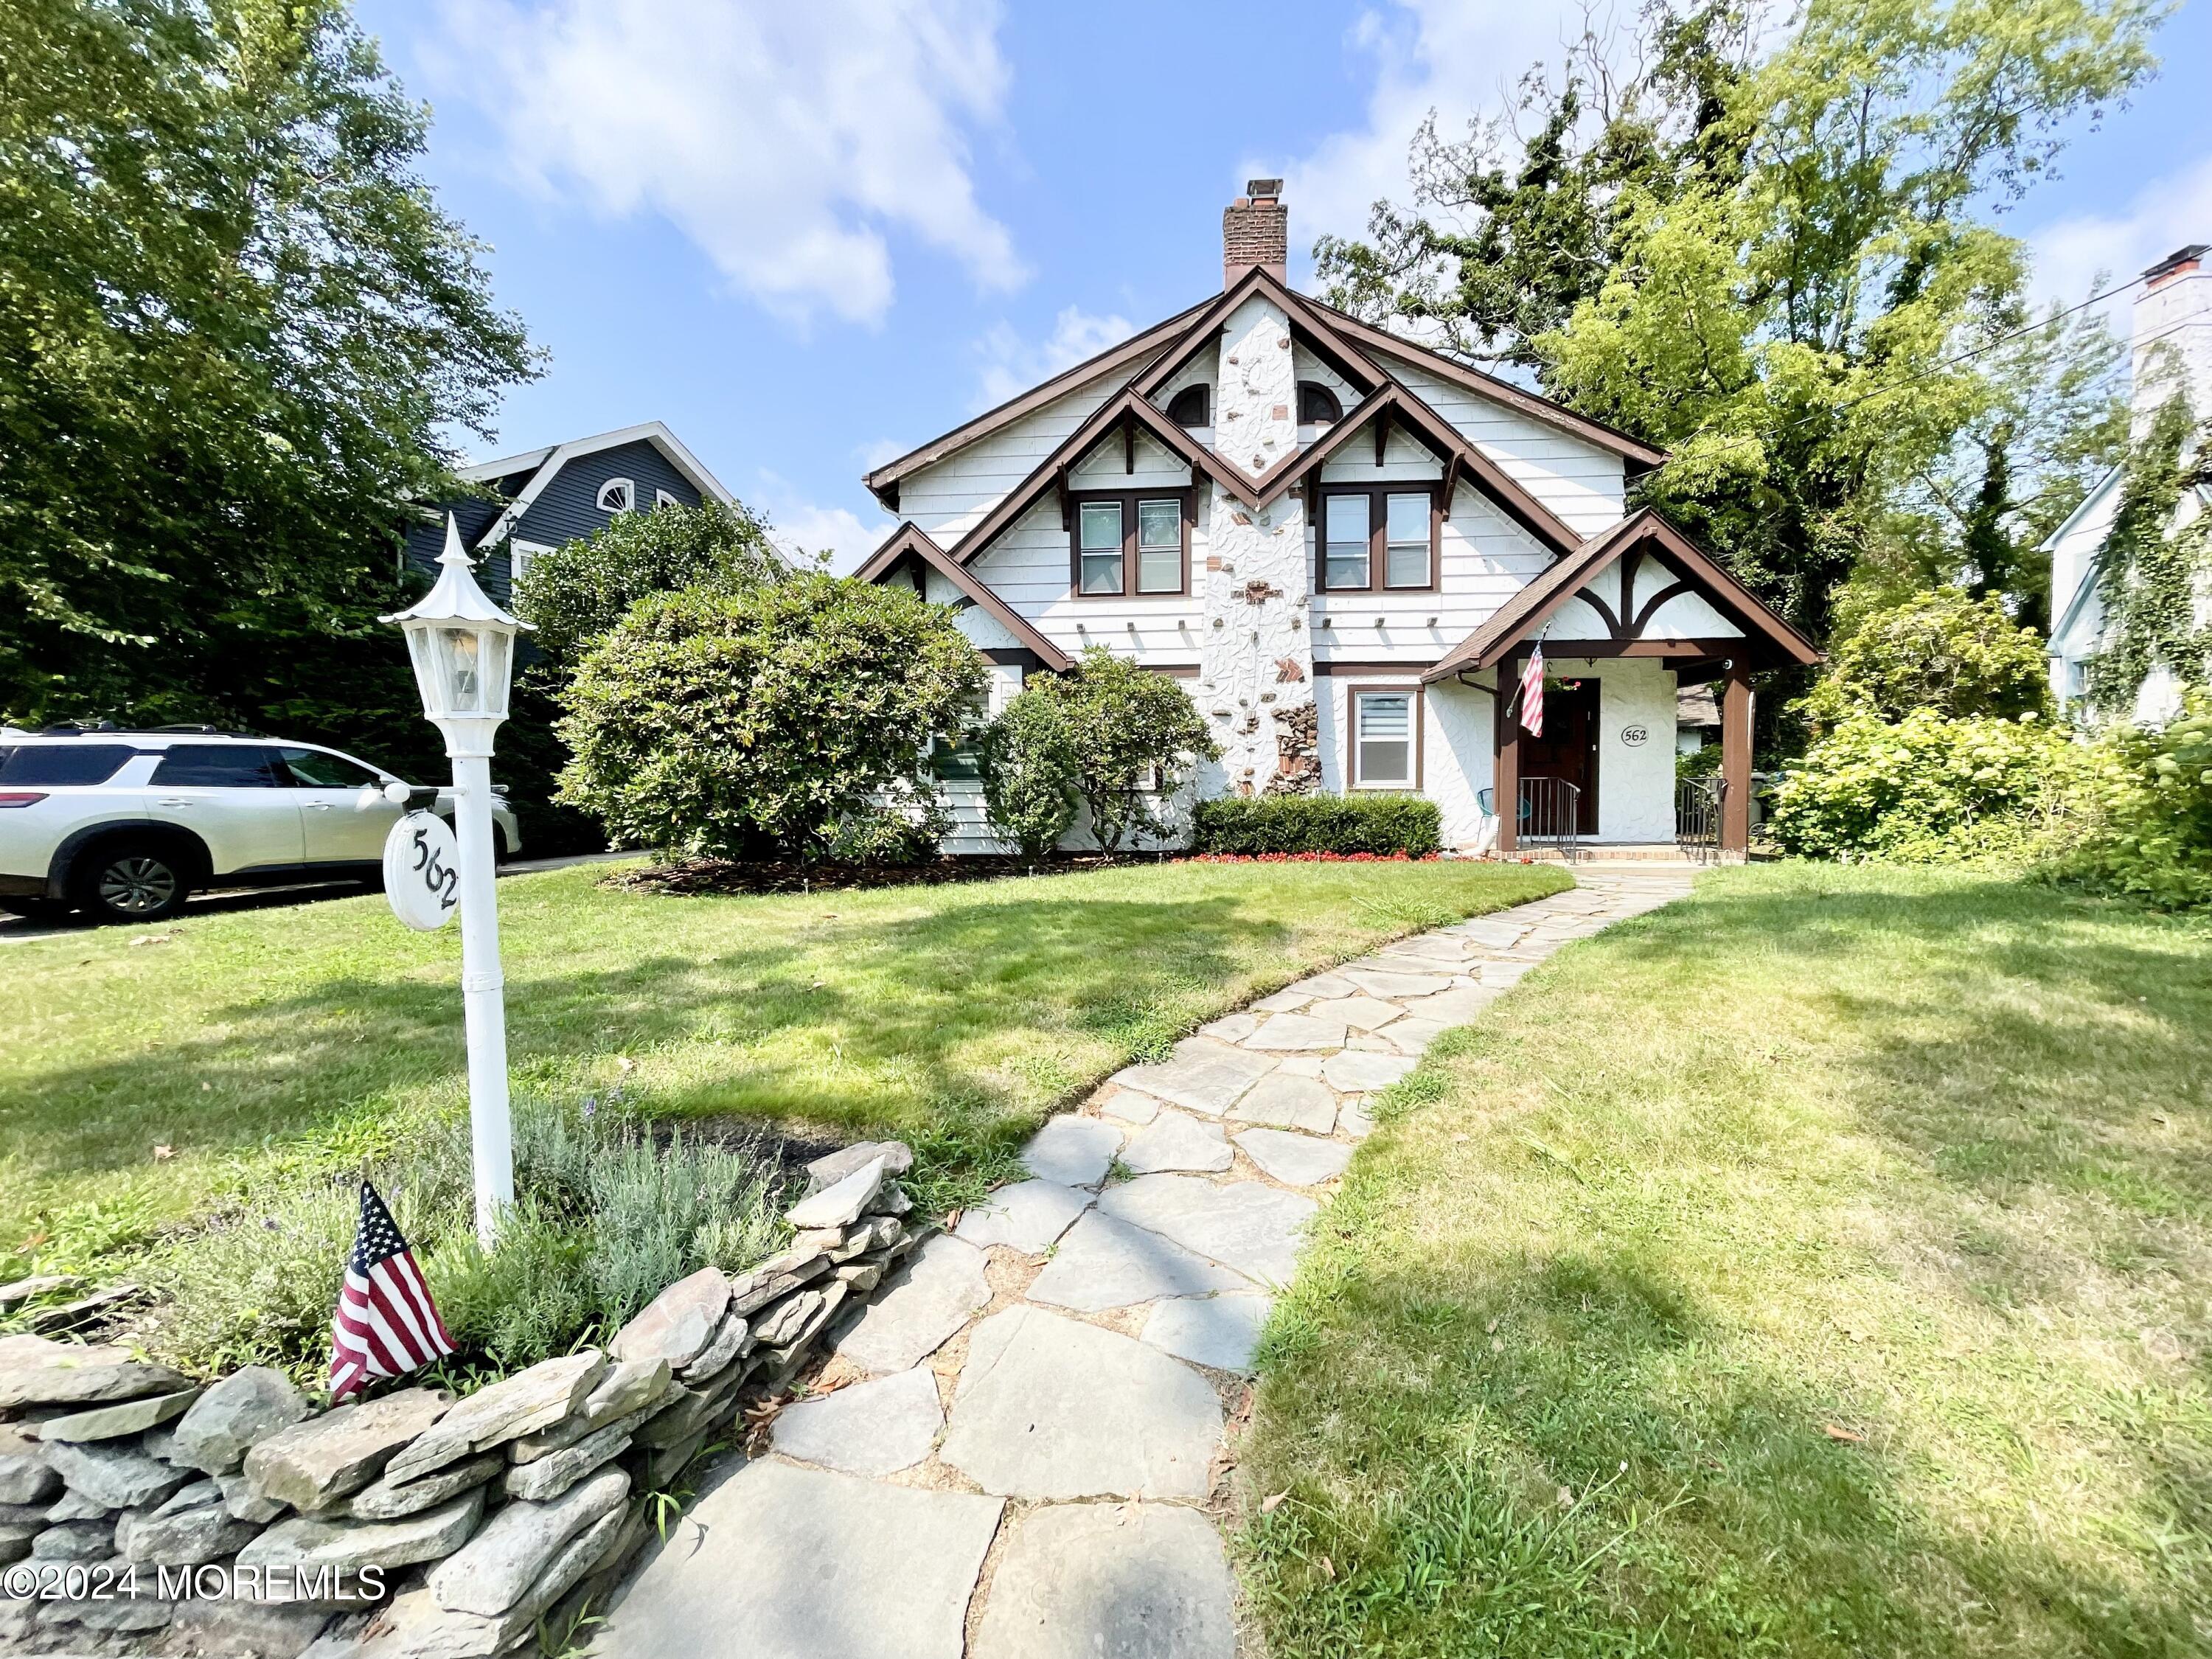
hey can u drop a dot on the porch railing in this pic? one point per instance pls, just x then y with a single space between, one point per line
1551 815
1698 802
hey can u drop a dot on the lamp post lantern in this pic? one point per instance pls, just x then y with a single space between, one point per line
462 648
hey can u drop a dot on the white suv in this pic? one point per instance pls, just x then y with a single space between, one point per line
125 825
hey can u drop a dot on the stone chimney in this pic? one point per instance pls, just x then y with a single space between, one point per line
1255 230
2173 335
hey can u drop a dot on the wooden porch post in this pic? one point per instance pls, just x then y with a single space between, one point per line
1736 759
1505 764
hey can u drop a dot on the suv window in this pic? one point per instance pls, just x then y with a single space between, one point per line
215 766
310 768
57 765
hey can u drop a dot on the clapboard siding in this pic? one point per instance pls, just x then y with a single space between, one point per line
568 508
946 500
1484 559
1585 485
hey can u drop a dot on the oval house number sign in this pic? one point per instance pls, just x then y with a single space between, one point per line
1633 736
422 871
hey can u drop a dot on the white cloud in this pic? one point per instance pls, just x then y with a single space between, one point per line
2166 213
784 140
1013 365
1441 55
803 528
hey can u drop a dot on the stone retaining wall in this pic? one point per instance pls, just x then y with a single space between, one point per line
143 1514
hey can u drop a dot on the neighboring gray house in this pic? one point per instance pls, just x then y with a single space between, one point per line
545 497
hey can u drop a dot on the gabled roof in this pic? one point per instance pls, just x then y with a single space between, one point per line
1136 349
1350 346
1125 407
544 466
1526 611
1388 400
908 542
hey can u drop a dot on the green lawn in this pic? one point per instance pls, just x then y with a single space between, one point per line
1822 1266
257 1042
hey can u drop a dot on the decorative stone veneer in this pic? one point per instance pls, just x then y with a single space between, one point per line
1256 659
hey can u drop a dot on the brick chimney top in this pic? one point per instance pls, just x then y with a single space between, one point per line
1255 230
2180 262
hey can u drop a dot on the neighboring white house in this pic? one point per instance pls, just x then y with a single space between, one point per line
2171 353
1344 543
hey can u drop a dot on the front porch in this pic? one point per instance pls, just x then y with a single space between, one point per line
1641 597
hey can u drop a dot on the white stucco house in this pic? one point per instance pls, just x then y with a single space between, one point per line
2171 353
1343 544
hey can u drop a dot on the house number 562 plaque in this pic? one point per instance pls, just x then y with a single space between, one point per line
421 871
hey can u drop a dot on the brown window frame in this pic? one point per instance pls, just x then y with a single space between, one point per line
1379 532
1205 395
1417 700
1184 499
1315 389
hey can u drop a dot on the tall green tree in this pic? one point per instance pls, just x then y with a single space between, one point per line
1785 307
1515 223
2053 419
233 322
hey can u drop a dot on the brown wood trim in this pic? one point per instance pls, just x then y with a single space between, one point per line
1377 533
1505 755
908 541
1418 716
1767 636
1353 332
1185 498
1367 665
1589 595
1138 349
1079 443
1513 498
1602 650
1735 759
1651 606
1011 656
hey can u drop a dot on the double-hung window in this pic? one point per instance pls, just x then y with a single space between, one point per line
1377 537
1384 751
1138 543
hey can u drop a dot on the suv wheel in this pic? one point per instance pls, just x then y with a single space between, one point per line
126 882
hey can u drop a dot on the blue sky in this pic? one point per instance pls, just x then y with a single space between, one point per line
810 233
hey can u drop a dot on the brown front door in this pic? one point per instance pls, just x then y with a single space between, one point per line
1567 749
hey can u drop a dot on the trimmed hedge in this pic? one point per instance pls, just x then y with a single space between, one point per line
1318 824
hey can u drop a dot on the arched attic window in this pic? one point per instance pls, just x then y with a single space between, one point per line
1192 406
617 496
1317 404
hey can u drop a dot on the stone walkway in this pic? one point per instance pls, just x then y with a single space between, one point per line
1027 1456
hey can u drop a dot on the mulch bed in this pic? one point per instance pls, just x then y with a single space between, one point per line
714 876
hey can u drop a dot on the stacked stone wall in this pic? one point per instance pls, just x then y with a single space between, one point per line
142 1512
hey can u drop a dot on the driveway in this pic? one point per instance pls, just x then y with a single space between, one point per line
14 929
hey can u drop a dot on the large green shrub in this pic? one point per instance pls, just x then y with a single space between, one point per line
1031 780
1941 651
796 716
1135 738
2150 832
1380 823
1930 790
573 595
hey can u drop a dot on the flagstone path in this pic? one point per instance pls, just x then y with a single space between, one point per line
1027 1457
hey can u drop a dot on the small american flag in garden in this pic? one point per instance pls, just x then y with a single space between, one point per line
386 1324
1531 691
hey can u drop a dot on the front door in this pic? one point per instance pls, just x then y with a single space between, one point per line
1567 750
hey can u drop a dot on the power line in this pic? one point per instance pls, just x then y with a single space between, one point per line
1928 373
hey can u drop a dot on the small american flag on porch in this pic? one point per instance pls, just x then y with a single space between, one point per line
1531 691
386 1323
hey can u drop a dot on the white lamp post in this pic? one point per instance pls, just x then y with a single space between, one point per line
463 647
